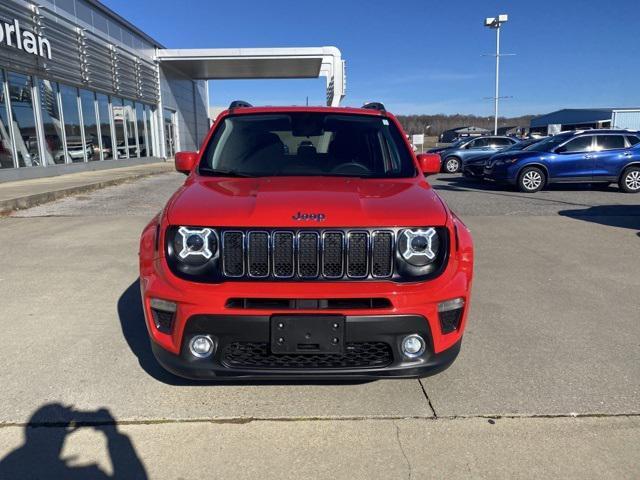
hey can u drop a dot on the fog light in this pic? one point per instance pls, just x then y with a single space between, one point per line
450 313
201 346
413 346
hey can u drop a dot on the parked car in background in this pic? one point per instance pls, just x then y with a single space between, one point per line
76 150
592 156
453 156
474 167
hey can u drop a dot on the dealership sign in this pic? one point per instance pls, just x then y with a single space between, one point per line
14 36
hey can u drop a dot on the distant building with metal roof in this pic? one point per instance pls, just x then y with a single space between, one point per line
449 136
586 118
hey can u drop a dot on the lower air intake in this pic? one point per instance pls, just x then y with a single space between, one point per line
258 356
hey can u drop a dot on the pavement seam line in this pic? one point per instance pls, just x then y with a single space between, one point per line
246 420
424 391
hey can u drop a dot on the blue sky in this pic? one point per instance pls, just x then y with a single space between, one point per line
421 56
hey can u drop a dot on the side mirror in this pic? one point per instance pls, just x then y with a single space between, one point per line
429 163
185 161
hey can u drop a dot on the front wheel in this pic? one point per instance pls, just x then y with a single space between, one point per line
451 164
531 180
630 180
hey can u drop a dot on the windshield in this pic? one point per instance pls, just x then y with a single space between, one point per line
548 144
307 144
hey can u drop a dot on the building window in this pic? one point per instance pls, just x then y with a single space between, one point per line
6 146
143 139
169 132
152 133
122 150
132 129
76 148
24 125
106 143
88 103
51 122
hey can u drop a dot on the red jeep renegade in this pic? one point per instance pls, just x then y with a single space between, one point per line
305 242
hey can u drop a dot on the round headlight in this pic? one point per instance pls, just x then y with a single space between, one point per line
194 246
419 247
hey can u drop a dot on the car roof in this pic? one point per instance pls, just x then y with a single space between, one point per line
597 131
490 136
302 109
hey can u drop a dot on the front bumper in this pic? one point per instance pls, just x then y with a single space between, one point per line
500 173
473 170
408 308
253 330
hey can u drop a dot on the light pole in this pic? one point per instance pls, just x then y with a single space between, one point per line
495 23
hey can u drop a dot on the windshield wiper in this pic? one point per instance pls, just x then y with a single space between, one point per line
224 173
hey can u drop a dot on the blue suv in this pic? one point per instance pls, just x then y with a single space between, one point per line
592 156
468 148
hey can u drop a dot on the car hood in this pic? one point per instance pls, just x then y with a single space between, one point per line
275 201
516 154
479 158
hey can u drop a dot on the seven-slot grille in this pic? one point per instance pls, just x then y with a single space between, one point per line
308 254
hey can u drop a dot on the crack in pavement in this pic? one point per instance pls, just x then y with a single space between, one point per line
246 420
424 391
404 454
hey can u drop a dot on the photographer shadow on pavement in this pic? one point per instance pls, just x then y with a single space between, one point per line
45 434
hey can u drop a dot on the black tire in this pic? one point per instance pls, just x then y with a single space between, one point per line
451 165
531 180
630 180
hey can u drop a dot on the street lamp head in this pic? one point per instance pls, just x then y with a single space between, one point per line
495 22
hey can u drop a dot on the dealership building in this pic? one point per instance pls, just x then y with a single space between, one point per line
84 89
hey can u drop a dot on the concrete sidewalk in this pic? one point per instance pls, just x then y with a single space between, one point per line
412 448
29 193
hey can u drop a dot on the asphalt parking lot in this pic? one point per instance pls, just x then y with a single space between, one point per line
547 383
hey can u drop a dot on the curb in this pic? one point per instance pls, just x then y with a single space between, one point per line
28 201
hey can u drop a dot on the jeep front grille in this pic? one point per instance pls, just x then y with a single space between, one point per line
308 254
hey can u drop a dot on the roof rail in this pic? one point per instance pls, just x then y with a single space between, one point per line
239 104
374 106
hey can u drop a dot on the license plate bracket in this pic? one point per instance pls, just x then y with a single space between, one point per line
307 334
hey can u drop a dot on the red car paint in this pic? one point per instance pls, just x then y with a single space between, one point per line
272 202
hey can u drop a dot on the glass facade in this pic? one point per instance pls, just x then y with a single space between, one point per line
90 122
51 122
169 132
43 123
132 129
106 136
24 133
76 149
142 130
148 114
6 145
122 148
